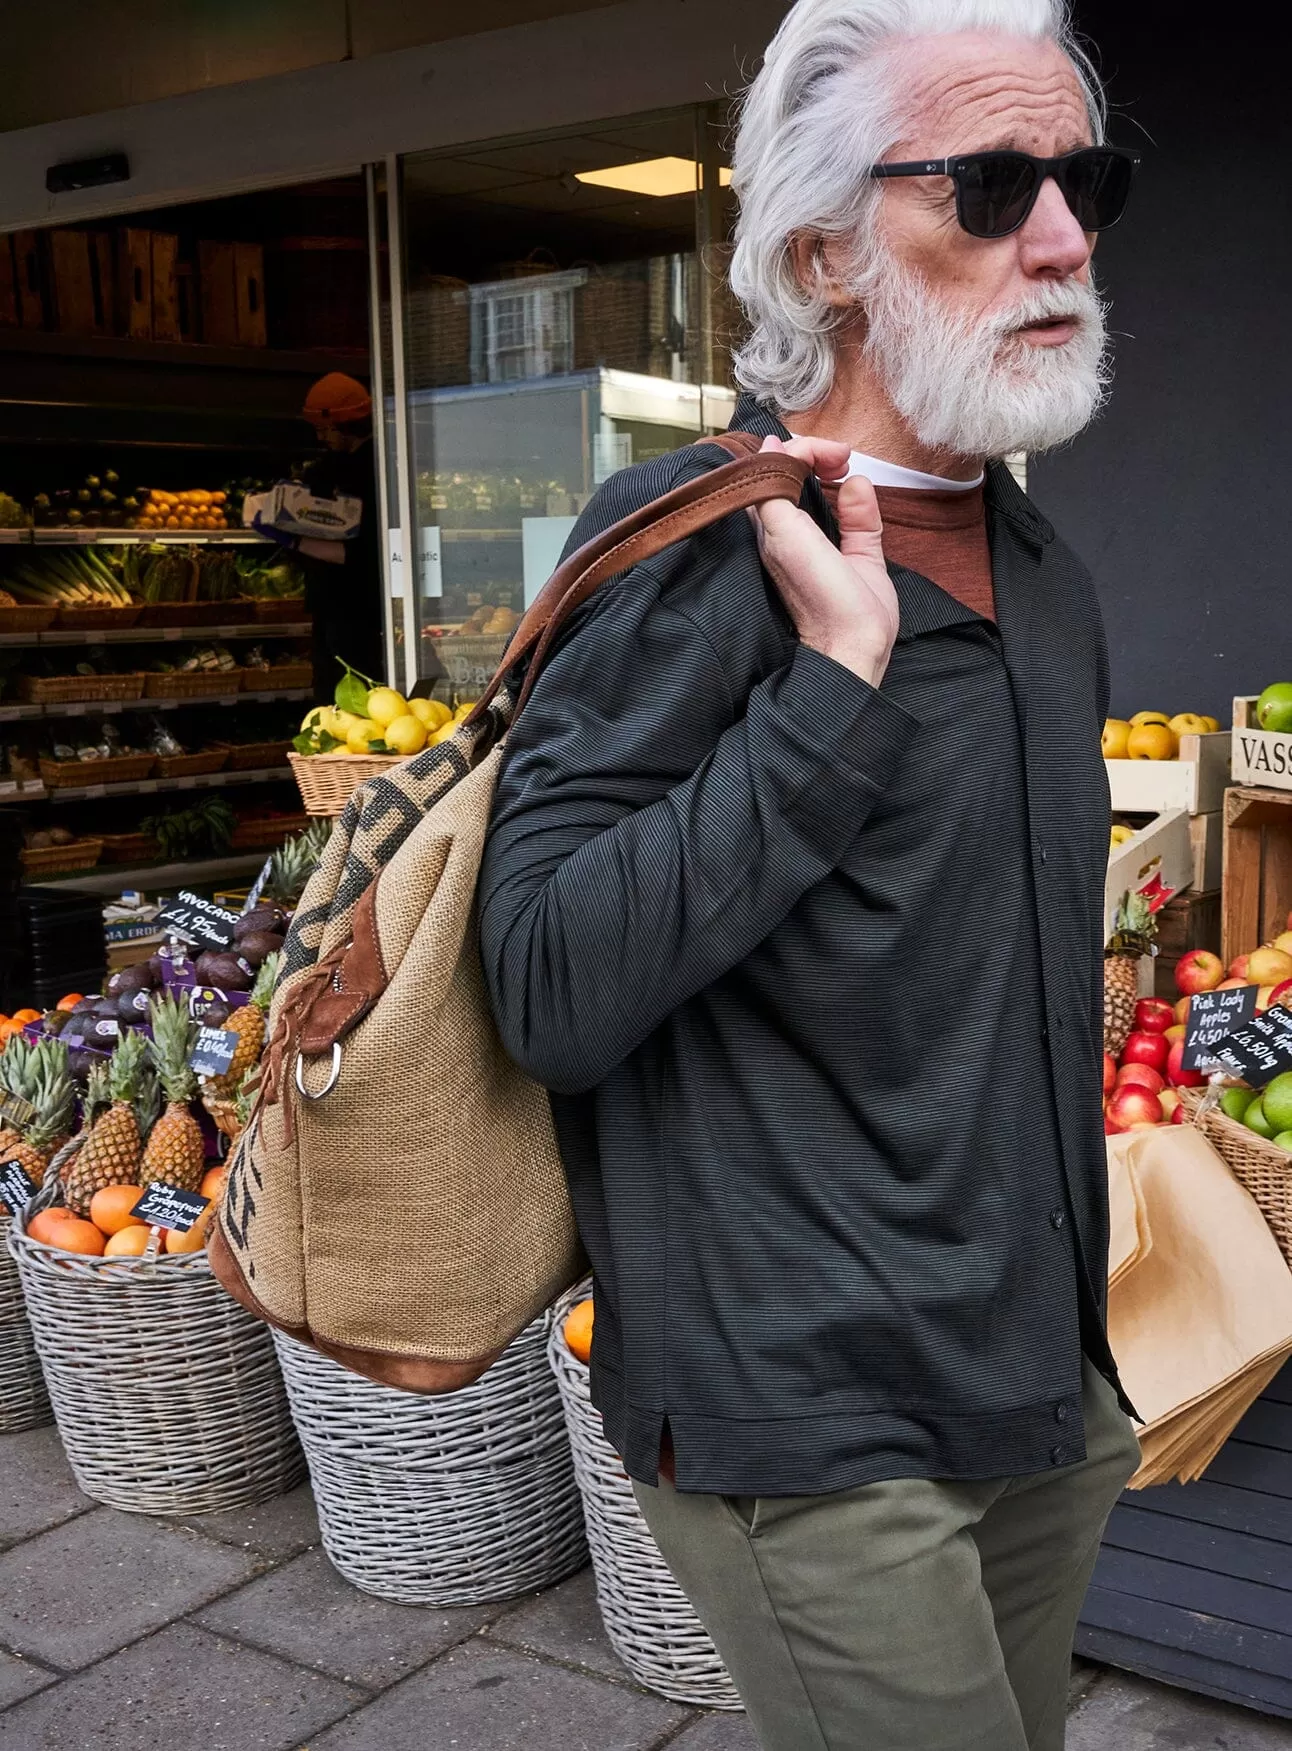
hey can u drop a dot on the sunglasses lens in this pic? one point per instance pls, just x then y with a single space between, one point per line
1096 185
995 191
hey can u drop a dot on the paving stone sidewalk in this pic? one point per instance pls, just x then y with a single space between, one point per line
232 1632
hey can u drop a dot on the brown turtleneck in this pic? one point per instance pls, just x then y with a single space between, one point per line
943 536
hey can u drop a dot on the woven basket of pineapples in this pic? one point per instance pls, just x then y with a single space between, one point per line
24 1401
167 1393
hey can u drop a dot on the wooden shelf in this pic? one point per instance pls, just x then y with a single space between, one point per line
99 537
114 707
159 634
110 878
154 352
80 793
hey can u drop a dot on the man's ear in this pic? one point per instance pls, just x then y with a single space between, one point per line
817 268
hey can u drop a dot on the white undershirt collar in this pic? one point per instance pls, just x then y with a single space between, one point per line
880 473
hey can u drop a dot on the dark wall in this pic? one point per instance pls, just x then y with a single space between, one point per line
1180 498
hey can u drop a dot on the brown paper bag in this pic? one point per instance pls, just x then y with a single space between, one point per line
1130 1239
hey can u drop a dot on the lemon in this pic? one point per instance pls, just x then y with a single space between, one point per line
343 722
318 719
1115 735
364 731
406 735
433 712
464 710
440 735
385 705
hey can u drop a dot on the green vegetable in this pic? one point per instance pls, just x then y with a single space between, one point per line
352 690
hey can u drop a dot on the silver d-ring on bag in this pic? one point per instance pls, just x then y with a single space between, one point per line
333 1074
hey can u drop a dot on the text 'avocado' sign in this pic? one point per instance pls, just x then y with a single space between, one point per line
1213 1015
198 920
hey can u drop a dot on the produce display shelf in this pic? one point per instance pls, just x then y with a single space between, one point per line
161 634
131 537
113 707
78 793
159 877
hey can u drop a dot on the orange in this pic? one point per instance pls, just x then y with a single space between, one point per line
128 1243
73 1235
1151 741
110 1208
70 1001
25 1015
212 1185
193 1241
44 1222
578 1329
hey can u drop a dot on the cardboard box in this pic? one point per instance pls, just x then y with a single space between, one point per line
1260 757
1195 781
1160 856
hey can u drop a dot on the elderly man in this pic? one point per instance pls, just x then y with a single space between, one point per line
793 897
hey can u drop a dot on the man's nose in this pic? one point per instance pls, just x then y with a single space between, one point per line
1052 244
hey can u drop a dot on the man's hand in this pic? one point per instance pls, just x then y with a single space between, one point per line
841 599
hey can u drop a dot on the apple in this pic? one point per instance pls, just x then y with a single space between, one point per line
1111 1130
1176 1032
1179 1116
1238 969
1264 998
1177 1075
1199 970
1110 1072
1284 942
1153 1015
1268 966
1169 1101
1282 994
1132 1105
1232 984
1182 1010
1144 1074
1146 1049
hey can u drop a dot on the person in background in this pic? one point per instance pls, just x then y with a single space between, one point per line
345 599
793 897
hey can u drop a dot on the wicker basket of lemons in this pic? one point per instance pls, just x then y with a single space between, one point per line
363 733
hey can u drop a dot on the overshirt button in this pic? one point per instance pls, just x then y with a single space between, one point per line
1060 1413
1056 1219
1045 1032
1056 1455
1041 848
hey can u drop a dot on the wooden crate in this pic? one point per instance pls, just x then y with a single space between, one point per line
81 271
135 283
1189 921
9 315
165 286
1195 781
1207 838
231 293
1258 868
249 294
1260 757
29 274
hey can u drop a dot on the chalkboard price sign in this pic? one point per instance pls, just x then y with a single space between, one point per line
17 1188
213 1053
1260 1050
198 920
1212 1016
164 1206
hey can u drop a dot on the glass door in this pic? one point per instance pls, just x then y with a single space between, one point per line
561 313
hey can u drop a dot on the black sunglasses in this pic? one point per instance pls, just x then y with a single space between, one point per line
995 191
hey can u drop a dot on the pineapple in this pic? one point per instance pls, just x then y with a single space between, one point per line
248 1023
110 1154
294 863
175 1151
53 1097
15 1079
96 1098
1134 928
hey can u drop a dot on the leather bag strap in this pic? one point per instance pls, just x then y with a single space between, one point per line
752 478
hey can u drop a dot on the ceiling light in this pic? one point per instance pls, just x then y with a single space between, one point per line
652 176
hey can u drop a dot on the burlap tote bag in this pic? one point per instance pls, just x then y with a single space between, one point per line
397 1199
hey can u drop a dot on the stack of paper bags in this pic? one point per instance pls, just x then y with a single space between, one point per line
1199 1297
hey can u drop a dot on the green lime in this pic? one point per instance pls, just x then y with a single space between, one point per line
1274 707
1284 1141
1234 1102
1277 1102
1255 1120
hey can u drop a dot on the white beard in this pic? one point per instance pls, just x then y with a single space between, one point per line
974 388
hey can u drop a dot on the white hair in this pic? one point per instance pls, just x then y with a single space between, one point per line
820 112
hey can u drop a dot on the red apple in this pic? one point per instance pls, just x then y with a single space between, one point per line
1232 984
1110 1072
1132 1105
1146 1049
1182 1010
1144 1074
1177 1075
1111 1130
1179 1116
1153 1015
1264 997
1282 994
1238 969
1176 1031
1199 970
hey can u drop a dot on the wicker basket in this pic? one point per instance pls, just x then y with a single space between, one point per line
278 679
266 833
1265 1171
253 756
166 1392
24 1401
52 860
281 610
451 1500
650 1621
99 619
25 619
68 689
191 765
191 684
130 848
119 769
328 781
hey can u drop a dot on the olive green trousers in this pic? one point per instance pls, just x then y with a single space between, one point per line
912 1615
